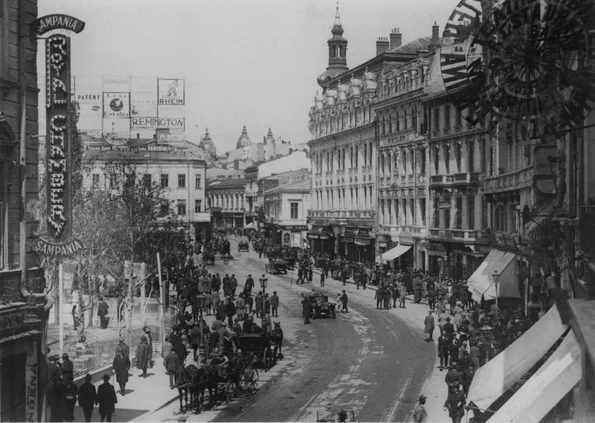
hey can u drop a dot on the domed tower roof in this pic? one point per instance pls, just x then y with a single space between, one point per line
269 138
337 61
244 140
207 144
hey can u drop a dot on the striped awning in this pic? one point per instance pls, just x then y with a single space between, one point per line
495 377
498 266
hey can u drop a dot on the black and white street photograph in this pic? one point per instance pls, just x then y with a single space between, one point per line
297 211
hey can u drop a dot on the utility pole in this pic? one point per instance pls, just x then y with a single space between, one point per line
161 301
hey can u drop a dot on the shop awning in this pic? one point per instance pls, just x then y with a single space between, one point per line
313 236
558 375
395 252
499 374
324 235
481 283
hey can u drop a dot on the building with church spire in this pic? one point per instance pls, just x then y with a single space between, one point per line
337 53
206 143
244 140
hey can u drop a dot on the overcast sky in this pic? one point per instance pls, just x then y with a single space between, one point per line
251 62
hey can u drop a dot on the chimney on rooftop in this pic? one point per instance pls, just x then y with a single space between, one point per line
395 38
435 42
382 45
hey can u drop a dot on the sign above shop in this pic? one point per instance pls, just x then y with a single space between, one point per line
49 23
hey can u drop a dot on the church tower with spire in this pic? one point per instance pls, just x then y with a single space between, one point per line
337 53
207 144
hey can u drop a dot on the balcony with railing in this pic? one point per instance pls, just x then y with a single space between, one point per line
465 178
515 180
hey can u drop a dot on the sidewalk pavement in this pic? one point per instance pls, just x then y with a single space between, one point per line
142 397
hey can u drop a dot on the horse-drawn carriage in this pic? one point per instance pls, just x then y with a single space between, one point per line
276 266
258 344
243 246
222 376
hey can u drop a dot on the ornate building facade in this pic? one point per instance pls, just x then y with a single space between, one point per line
226 201
344 147
402 162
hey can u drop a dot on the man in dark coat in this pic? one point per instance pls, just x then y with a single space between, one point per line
123 348
455 404
102 313
68 394
67 365
275 304
307 309
54 375
121 364
142 355
87 397
448 329
344 301
249 285
106 399
230 311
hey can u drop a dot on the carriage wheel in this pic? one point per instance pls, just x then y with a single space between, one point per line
253 385
266 360
229 391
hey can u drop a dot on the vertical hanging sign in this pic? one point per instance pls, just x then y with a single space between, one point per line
58 137
58 29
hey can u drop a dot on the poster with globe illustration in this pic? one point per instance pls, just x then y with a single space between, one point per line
116 105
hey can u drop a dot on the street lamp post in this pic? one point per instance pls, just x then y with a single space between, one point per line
263 285
496 275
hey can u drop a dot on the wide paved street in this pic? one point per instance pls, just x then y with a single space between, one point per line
373 362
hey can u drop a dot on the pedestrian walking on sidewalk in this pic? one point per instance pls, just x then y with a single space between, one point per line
68 394
121 365
455 404
429 324
102 313
172 362
443 350
123 348
395 295
420 415
142 355
322 279
87 397
106 399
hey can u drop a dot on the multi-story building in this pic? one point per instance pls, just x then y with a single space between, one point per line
226 202
343 150
286 207
257 181
22 322
182 177
402 160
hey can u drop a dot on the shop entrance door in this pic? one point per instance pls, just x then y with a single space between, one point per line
12 393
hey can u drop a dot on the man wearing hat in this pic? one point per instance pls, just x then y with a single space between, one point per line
420 415
67 365
275 304
87 397
448 329
68 394
342 416
106 399
54 374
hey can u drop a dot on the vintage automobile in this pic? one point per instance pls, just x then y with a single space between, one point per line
321 307
243 246
276 266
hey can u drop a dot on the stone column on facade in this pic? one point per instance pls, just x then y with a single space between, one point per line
465 212
453 208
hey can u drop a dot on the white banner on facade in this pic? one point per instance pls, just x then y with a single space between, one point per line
171 111
143 97
116 105
116 84
171 92
116 131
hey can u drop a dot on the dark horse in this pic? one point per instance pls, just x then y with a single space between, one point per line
277 341
187 383
218 374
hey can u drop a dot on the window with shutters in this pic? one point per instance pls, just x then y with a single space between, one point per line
459 213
